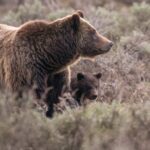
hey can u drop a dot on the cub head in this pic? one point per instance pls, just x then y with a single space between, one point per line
85 86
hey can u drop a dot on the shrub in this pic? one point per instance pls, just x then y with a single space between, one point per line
125 78
28 11
109 127
105 21
58 14
137 43
141 13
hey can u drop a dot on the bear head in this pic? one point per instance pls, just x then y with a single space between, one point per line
85 86
89 42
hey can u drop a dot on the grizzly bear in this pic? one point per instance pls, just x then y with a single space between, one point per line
37 49
84 89
85 86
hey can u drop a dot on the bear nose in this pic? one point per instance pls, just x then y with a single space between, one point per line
108 47
111 44
94 97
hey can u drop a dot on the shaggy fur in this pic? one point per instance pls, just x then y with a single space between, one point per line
37 49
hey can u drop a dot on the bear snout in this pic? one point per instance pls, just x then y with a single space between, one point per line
93 94
107 47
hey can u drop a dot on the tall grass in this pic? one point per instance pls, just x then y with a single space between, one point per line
102 126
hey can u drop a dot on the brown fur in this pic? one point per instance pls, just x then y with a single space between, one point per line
37 49
25 56
84 87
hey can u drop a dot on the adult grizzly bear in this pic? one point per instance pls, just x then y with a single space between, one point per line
38 49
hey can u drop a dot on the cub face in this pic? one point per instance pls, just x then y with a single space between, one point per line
85 86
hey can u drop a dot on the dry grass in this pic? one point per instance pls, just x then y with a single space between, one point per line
101 126
121 118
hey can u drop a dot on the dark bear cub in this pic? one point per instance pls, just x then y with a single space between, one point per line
85 87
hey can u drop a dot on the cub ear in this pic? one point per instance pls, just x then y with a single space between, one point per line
80 13
80 76
98 75
75 22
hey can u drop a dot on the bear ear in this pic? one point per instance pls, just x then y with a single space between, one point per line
80 13
80 76
98 75
75 22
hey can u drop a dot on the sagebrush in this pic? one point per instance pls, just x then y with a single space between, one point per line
120 119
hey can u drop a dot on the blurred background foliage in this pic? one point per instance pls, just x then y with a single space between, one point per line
121 120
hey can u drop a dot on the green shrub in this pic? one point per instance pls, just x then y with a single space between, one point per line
142 15
11 18
105 21
125 78
136 42
141 11
28 11
59 14
98 126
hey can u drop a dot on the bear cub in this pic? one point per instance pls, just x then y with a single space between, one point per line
84 87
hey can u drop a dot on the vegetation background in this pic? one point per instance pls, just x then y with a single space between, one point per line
120 120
